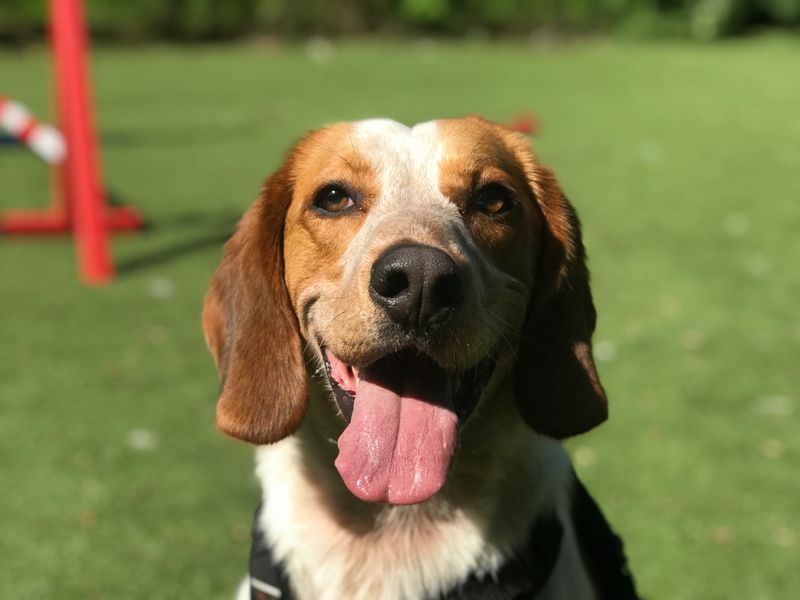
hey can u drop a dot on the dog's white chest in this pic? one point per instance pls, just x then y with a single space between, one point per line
409 553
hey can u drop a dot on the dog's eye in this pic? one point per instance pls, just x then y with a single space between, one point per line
333 199
493 199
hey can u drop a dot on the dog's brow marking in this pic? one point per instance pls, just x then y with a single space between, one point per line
338 153
406 161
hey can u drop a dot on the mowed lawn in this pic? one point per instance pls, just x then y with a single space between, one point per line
684 163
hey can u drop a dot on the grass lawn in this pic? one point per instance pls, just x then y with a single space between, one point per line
684 163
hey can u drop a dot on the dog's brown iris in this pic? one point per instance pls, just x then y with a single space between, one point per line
333 199
493 199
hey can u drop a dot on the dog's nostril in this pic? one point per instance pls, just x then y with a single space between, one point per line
448 290
391 284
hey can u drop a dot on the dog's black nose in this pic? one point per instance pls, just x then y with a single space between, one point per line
416 285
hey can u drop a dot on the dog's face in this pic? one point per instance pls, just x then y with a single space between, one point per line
407 262
403 238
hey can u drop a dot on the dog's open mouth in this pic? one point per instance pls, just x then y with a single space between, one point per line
403 414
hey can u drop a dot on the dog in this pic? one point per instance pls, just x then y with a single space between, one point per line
402 324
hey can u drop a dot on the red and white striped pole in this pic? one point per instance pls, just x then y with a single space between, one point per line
44 140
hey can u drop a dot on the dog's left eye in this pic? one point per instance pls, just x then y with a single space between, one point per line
493 199
333 199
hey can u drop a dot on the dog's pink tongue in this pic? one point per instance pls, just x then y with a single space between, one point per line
398 445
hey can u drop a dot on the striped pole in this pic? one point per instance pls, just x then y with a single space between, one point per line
44 140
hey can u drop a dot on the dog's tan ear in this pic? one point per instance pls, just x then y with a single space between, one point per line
555 381
251 327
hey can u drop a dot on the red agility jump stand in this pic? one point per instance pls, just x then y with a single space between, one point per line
79 201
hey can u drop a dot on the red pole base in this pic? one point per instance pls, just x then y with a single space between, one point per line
41 222
51 222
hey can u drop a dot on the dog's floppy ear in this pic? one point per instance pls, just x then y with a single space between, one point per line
555 380
251 327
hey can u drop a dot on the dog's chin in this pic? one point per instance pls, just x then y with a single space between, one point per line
403 412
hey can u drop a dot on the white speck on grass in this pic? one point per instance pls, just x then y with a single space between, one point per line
772 449
142 439
650 152
736 224
585 456
319 50
784 536
670 306
773 406
605 351
161 288
756 265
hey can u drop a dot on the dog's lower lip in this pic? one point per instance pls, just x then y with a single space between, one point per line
345 399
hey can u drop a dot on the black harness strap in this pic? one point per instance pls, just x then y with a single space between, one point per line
268 579
601 548
525 574
521 577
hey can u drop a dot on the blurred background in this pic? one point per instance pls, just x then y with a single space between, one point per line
674 126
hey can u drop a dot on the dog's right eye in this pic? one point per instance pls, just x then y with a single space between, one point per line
333 199
493 200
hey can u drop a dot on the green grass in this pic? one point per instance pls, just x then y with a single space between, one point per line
684 163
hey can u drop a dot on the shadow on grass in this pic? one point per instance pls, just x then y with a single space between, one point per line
179 135
197 231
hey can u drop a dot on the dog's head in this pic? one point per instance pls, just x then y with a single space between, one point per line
407 262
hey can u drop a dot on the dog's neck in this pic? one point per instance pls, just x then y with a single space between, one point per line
503 477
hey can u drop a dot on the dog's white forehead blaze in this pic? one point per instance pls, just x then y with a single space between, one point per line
406 160
410 204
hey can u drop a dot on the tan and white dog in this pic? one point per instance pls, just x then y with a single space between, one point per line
402 322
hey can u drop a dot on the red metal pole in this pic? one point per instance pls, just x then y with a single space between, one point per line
85 193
